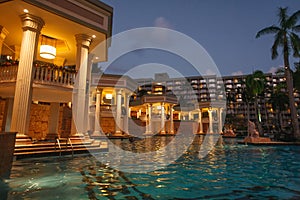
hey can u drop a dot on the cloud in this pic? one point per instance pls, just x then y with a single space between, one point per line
237 73
209 72
273 70
162 22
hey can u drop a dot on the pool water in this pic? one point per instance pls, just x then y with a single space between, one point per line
229 171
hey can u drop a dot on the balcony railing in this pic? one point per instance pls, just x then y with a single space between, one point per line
42 75
54 76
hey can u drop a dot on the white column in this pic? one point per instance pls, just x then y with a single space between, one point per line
3 34
220 123
118 112
171 120
83 42
32 26
126 102
200 121
190 115
7 114
88 94
149 119
210 121
97 123
162 125
54 118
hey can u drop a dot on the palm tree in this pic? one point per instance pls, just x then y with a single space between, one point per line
255 85
279 100
286 37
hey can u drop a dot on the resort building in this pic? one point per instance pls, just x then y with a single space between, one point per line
43 46
47 89
212 88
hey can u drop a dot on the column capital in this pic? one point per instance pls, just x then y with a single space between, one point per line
31 22
83 40
99 90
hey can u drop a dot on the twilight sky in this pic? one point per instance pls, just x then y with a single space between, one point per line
226 29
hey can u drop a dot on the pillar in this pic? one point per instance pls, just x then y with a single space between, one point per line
7 114
162 125
200 121
54 118
220 124
190 115
3 34
149 119
118 112
97 128
126 102
210 121
32 26
88 94
80 89
171 120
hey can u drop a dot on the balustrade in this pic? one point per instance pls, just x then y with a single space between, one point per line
42 74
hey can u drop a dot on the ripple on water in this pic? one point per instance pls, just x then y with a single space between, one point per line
228 171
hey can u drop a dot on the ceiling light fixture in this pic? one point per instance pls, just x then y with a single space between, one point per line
48 47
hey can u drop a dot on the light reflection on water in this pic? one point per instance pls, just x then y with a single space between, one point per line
228 171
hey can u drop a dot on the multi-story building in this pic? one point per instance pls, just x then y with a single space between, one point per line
230 88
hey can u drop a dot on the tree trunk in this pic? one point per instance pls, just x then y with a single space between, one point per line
248 117
290 88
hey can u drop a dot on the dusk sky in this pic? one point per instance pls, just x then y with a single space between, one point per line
225 28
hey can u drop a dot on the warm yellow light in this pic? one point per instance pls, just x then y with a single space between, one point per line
93 36
25 11
48 47
47 51
108 96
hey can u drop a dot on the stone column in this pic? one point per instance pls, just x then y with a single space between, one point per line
118 112
3 34
162 116
220 124
149 119
88 94
53 119
126 102
190 115
200 121
7 114
210 121
32 26
83 42
97 128
171 120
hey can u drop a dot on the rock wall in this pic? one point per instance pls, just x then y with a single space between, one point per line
39 118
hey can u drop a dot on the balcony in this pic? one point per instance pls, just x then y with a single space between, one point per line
50 83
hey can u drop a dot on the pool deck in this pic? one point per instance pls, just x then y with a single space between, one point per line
271 143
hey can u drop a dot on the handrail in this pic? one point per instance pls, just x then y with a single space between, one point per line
41 74
68 140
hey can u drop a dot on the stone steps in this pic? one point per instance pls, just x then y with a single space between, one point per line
49 148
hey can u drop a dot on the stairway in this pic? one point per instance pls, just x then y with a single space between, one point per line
26 148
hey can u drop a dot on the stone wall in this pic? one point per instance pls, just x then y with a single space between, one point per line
39 118
7 146
2 113
107 124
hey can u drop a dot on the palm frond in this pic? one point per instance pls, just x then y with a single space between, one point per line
282 16
292 20
277 42
268 30
296 28
295 43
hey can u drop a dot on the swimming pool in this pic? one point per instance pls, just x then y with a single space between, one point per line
229 171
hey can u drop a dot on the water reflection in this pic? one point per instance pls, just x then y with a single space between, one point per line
228 171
